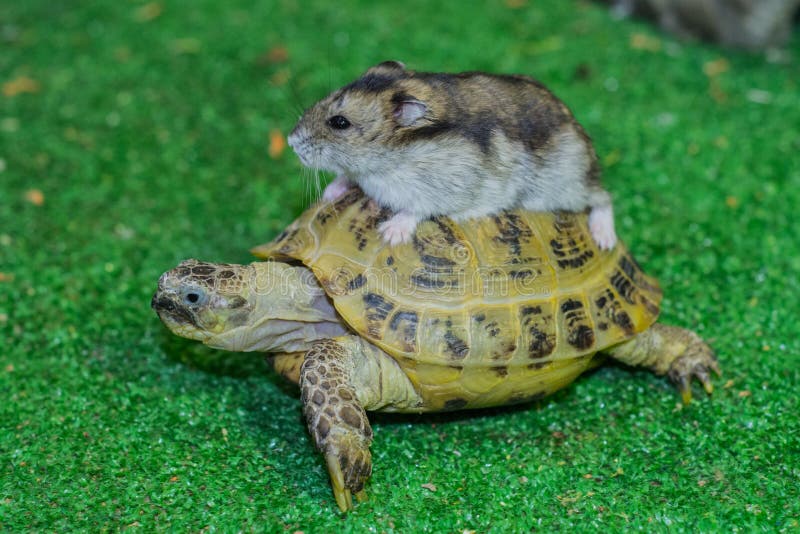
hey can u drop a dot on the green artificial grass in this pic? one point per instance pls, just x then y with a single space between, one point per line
135 135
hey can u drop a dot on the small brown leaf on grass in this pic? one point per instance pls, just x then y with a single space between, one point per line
642 41
122 54
188 45
716 67
20 85
429 486
612 158
516 4
6 277
276 54
148 12
280 77
554 43
34 196
277 144
745 393
716 91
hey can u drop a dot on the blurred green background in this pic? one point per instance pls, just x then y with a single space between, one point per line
134 135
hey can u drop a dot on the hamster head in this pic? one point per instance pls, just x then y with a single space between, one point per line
359 124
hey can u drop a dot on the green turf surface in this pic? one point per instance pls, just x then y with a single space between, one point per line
145 129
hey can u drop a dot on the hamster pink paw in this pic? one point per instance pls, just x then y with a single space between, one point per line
336 189
601 225
398 229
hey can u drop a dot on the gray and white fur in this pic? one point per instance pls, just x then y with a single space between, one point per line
462 145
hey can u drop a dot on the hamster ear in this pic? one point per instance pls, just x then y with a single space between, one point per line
408 111
387 67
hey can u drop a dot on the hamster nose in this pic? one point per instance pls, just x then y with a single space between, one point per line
297 137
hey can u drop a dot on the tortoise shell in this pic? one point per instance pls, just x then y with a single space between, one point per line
484 312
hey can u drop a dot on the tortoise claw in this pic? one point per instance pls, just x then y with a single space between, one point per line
686 393
703 375
340 492
695 364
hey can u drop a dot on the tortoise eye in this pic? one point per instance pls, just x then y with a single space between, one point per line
193 296
337 122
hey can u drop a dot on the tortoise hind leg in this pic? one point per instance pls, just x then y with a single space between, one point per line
341 378
668 350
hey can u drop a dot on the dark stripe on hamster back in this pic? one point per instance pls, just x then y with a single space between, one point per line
371 83
530 118
429 131
478 131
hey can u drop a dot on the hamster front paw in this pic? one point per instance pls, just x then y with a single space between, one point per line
601 225
336 189
399 228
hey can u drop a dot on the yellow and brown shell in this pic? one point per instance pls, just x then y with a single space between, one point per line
480 313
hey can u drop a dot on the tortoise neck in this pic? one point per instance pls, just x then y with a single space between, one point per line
290 311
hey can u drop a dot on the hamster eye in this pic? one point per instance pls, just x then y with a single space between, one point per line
337 122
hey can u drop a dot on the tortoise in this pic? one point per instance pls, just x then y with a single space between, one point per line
493 311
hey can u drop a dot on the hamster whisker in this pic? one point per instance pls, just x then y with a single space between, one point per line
308 196
290 93
319 183
312 178
315 191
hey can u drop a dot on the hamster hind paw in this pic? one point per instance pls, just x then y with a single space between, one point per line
601 225
336 189
398 229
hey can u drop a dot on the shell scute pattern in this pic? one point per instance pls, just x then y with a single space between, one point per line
402 330
538 333
494 333
515 293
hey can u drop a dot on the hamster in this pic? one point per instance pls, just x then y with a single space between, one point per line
462 145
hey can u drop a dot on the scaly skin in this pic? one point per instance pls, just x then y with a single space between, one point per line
668 350
340 378
337 422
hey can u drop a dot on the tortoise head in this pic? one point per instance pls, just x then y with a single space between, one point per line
199 300
265 306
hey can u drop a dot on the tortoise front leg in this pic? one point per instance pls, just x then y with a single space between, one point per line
341 378
676 352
